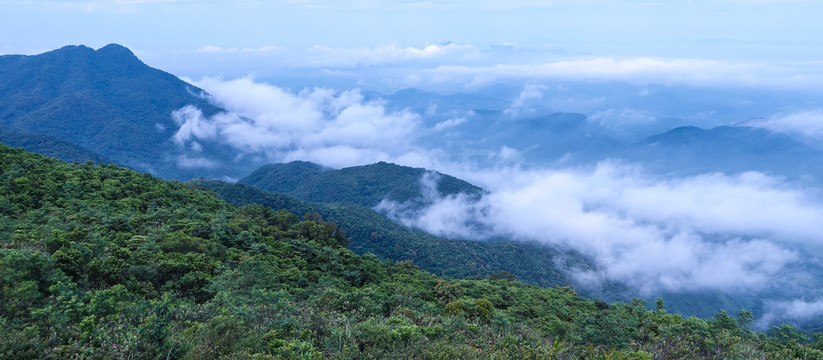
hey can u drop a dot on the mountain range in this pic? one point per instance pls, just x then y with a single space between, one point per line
106 106
114 107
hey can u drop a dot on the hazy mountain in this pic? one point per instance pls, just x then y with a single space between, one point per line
729 149
105 100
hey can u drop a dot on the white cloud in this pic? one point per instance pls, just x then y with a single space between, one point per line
530 93
805 123
714 232
450 123
218 49
790 311
324 56
695 72
192 125
335 128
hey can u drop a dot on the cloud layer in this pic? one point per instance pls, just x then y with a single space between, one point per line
709 232
797 310
335 128
807 124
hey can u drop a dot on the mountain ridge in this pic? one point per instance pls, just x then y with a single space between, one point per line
364 185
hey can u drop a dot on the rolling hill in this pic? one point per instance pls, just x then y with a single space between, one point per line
362 185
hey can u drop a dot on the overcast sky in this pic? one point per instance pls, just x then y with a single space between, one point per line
271 39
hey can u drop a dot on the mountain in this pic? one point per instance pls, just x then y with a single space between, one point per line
690 150
362 185
49 146
104 262
104 100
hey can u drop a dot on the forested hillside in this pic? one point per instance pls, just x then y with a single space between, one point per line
102 262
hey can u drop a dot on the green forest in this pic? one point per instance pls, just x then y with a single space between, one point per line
98 261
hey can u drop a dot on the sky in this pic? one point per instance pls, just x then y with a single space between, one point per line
345 43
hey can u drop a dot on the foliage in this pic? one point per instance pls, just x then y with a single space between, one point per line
101 262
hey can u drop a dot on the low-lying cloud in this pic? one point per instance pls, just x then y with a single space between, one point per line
708 232
335 128
808 124
795 311
325 56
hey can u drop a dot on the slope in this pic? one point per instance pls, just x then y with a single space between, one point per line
49 146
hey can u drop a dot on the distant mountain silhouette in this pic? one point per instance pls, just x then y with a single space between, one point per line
729 149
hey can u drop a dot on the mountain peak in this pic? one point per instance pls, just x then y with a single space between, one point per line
77 48
115 49
70 51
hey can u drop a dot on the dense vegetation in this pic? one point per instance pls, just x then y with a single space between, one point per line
102 262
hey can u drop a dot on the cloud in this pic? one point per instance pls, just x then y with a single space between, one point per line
708 232
794 311
644 70
324 56
450 123
218 49
807 124
334 128
530 93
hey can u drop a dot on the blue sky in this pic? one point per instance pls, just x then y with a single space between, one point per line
760 42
